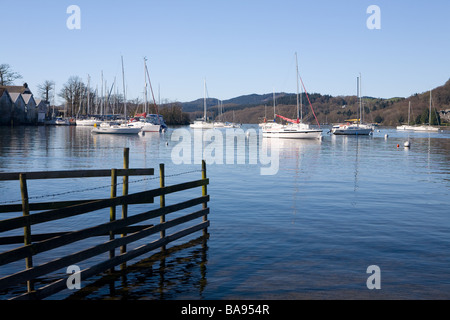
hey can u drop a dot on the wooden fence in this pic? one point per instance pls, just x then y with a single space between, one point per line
130 228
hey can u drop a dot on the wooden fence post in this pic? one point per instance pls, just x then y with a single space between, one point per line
112 210
126 165
27 227
162 201
204 193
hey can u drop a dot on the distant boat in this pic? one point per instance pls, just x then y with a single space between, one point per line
407 126
265 123
157 119
115 127
296 129
202 123
148 123
427 128
62 122
220 123
232 124
141 121
354 126
88 122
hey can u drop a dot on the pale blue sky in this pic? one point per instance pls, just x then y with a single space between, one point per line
240 47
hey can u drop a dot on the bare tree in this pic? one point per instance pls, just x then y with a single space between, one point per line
7 76
73 92
45 89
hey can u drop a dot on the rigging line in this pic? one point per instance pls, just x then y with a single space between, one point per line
307 96
153 96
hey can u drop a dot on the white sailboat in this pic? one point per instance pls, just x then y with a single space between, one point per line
427 128
202 123
232 124
88 121
219 123
407 126
61 121
296 129
354 126
114 127
140 120
269 124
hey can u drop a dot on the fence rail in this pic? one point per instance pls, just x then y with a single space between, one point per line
126 226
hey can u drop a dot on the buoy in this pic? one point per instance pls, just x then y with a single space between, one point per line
406 144
398 145
386 136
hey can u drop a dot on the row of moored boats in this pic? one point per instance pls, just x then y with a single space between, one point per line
137 124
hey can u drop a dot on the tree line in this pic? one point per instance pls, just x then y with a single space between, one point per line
81 99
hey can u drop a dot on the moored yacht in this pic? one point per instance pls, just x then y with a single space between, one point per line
296 129
354 126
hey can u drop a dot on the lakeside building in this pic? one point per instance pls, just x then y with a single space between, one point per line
18 106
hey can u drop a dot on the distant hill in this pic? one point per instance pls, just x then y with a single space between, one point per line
328 109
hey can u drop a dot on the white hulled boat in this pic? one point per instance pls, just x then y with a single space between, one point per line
144 125
202 123
426 128
296 129
231 125
115 127
354 126
62 122
147 123
88 122
292 131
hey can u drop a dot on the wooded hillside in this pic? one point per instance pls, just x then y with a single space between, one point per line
328 109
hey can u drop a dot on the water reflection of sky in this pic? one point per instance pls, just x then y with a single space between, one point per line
334 207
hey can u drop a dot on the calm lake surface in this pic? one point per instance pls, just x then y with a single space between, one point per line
310 231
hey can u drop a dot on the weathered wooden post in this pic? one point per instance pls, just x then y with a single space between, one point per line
162 201
204 193
126 165
112 210
27 227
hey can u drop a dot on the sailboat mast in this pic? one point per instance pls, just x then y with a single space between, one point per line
359 95
429 118
360 101
88 94
124 96
204 99
296 76
409 111
101 101
54 95
274 112
145 87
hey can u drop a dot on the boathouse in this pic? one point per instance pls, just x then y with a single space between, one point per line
41 107
5 106
18 106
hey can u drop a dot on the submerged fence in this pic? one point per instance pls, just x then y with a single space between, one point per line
129 227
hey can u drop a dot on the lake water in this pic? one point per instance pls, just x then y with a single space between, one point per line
333 208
